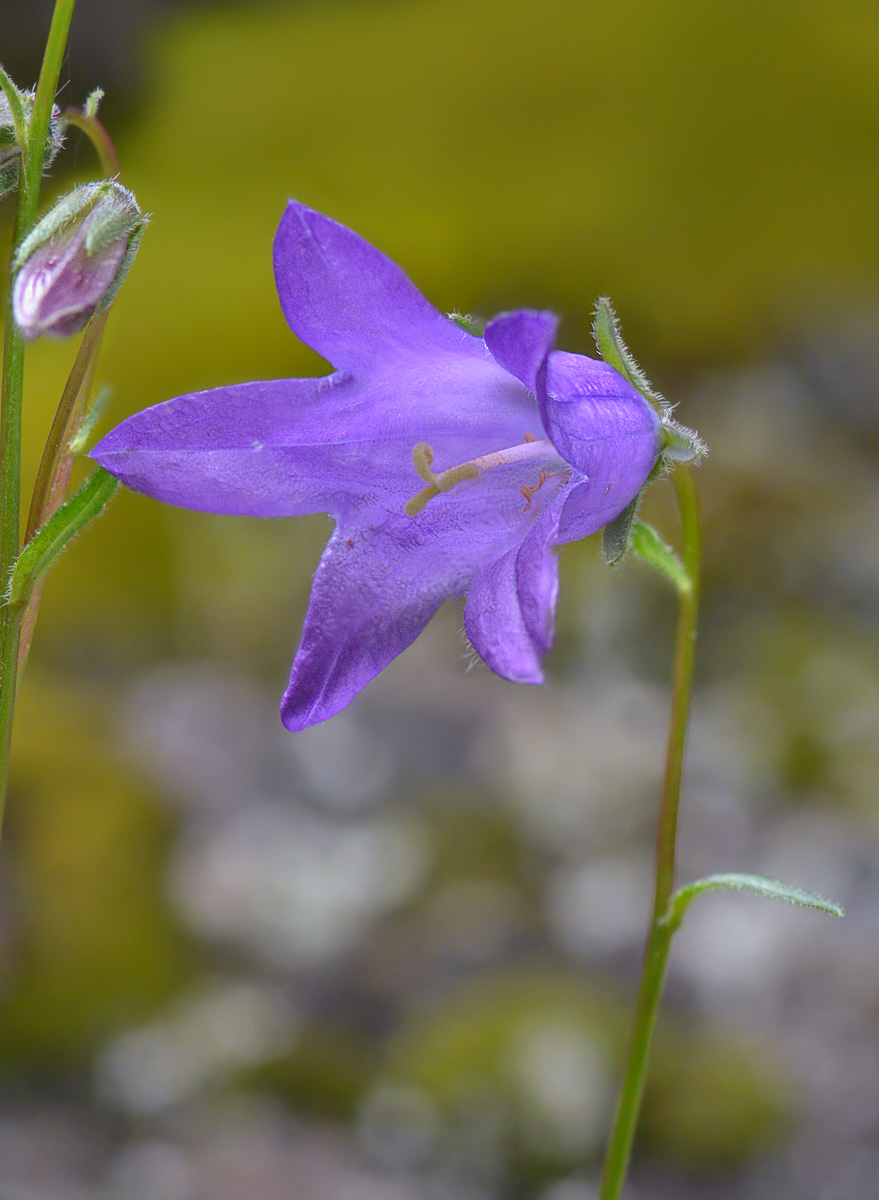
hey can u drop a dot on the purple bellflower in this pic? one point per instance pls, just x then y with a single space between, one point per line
452 464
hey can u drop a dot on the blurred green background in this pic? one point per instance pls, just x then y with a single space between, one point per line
394 956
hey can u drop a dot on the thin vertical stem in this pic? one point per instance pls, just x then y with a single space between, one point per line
13 376
10 499
47 86
659 938
10 410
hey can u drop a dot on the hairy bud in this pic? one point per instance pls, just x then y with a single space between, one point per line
10 151
74 260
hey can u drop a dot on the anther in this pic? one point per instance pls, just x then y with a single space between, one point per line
528 489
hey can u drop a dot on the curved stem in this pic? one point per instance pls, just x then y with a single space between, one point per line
661 931
47 494
98 136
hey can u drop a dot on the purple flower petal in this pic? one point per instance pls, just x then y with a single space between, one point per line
295 446
377 587
348 301
593 503
607 431
372 595
521 341
510 612
597 421
593 415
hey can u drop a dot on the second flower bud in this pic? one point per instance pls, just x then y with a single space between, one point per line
73 261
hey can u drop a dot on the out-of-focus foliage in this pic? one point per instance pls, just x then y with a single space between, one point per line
548 1047
94 946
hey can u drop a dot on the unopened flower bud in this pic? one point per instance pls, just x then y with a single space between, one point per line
74 260
10 151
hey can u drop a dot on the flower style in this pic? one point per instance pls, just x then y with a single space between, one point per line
452 464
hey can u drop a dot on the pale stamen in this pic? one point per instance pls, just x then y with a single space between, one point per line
444 481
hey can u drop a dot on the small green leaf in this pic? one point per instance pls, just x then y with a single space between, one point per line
758 885
60 529
615 352
649 546
616 538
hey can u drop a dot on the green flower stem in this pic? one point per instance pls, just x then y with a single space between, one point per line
47 86
661 930
27 574
10 410
34 561
10 492
13 376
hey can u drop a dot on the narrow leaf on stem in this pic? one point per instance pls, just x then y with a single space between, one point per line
61 528
758 885
649 546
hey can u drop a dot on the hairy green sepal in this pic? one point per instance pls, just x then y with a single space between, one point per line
615 352
679 444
